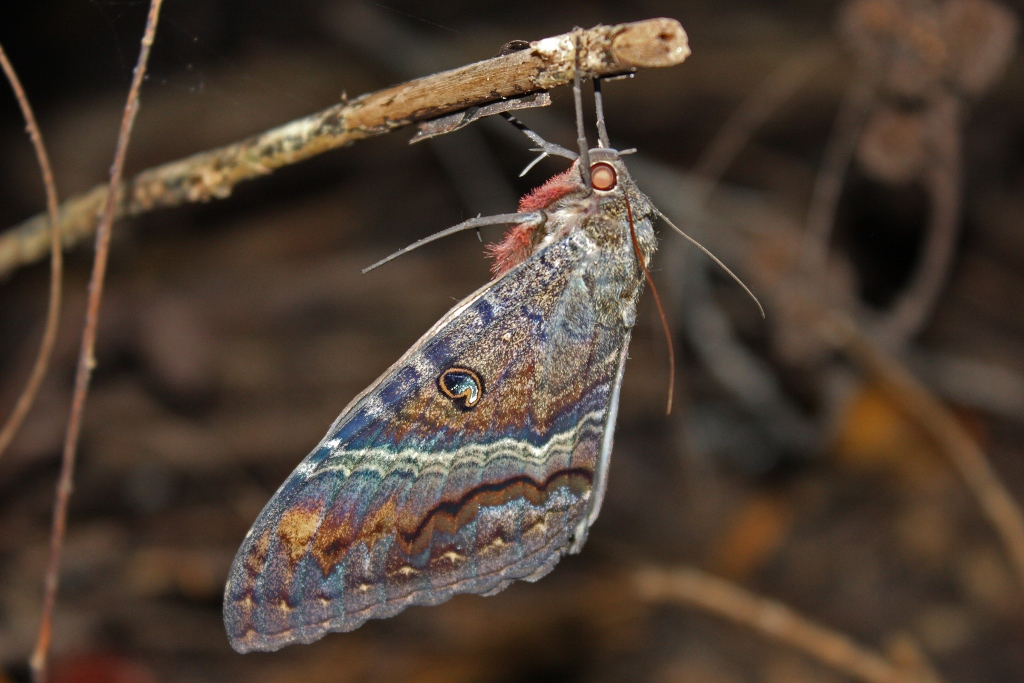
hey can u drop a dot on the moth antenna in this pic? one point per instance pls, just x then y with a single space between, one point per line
661 311
581 134
548 148
471 224
602 130
715 259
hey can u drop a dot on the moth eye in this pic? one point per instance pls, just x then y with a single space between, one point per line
602 176
462 386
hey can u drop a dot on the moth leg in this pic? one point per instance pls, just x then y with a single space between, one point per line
602 130
581 133
549 148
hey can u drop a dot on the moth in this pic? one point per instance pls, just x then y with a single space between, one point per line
481 456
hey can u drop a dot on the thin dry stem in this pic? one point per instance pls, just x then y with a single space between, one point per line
943 427
692 587
548 63
751 115
912 309
86 359
49 340
828 185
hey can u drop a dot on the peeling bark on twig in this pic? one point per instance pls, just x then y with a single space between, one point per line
546 64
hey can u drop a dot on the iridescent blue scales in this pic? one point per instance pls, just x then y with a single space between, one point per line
478 458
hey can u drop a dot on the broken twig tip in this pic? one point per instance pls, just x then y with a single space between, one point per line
651 43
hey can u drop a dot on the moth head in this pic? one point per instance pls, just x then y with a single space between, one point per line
603 176
608 174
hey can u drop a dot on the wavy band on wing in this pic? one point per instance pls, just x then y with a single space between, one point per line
295 583
414 461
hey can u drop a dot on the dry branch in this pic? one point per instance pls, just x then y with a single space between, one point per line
86 358
693 587
545 64
49 340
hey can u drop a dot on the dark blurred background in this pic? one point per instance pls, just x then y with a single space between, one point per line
233 333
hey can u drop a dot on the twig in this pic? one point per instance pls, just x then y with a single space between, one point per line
693 587
828 185
548 63
748 118
49 340
86 359
943 177
944 429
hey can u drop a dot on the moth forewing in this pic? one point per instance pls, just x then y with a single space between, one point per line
359 531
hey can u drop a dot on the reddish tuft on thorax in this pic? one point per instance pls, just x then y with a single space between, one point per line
512 250
550 192
517 245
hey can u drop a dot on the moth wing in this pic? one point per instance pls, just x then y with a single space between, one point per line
415 495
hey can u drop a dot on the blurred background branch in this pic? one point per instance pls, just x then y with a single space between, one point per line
692 587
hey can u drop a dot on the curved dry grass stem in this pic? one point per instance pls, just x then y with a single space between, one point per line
694 588
828 185
759 106
86 359
943 178
547 64
49 340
